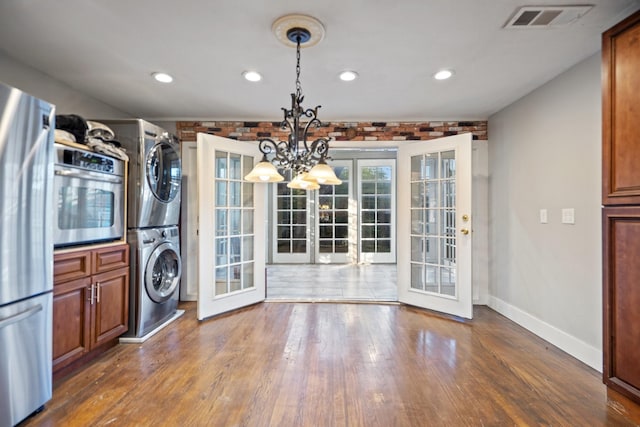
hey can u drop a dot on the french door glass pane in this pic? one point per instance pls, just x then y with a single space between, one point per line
433 223
298 246
341 246
234 224
291 220
234 193
221 192
221 222
235 171
221 164
247 276
247 248
235 283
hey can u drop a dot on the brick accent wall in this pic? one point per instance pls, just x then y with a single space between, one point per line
340 131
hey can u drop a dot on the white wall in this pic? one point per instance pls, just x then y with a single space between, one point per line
545 153
66 99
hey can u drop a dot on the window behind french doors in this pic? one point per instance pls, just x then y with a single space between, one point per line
348 223
377 210
333 218
290 225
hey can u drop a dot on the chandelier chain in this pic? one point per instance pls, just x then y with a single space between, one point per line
298 85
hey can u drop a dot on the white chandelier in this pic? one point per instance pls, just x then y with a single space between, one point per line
306 161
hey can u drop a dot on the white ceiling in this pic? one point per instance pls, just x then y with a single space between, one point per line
107 49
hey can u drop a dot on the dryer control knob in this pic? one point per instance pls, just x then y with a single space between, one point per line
164 233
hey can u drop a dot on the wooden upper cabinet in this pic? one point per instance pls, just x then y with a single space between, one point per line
621 113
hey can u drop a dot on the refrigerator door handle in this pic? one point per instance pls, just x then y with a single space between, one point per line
20 316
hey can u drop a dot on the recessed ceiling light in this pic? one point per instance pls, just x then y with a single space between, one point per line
443 74
252 76
162 77
348 76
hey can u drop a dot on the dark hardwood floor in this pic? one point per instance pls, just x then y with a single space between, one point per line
321 364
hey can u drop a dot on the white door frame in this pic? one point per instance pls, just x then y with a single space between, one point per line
480 274
189 222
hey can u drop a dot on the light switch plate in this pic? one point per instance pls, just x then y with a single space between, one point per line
543 216
568 216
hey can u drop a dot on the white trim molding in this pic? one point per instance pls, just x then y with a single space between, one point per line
575 347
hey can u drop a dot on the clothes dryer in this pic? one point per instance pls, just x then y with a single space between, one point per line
155 172
155 274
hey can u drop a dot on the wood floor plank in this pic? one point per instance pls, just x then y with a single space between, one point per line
305 364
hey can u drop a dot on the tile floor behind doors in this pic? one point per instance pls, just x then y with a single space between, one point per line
332 282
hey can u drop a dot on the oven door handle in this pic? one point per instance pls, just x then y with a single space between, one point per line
88 175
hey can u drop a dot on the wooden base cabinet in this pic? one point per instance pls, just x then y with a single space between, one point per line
90 303
621 298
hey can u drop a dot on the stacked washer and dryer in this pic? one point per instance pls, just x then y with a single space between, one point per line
153 210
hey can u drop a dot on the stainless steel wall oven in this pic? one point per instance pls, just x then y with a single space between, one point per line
89 195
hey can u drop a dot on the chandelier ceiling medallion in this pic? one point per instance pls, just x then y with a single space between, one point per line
305 160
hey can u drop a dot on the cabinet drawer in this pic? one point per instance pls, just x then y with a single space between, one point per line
70 266
107 259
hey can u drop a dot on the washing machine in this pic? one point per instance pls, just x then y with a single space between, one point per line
155 172
155 274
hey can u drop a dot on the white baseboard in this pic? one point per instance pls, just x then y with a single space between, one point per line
577 348
482 300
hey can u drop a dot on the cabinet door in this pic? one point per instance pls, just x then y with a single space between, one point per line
111 306
71 321
621 115
621 228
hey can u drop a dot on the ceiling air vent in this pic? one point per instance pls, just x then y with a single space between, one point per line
546 16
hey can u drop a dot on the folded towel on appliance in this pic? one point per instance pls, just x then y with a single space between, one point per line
100 146
100 130
63 136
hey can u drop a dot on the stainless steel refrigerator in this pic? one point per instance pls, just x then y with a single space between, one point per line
26 253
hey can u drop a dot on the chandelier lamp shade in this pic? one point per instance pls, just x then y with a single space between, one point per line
306 161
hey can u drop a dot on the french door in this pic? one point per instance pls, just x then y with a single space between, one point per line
334 217
434 225
350 223
291 233
313 226
377 210
231 261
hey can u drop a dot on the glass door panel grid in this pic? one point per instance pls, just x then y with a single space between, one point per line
333 215
433 223
291 220
376 209
234 235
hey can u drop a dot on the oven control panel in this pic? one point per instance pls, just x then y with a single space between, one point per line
77 158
